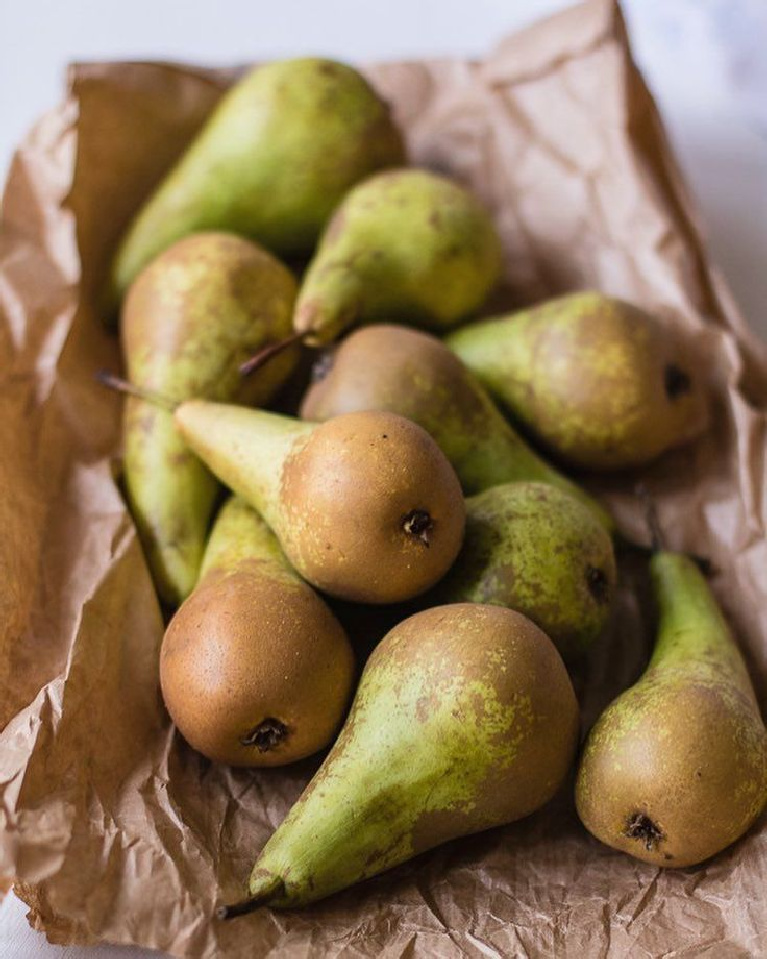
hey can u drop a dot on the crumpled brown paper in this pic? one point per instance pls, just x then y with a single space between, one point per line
112 828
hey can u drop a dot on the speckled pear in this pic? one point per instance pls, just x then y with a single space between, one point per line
271 162
188 321
414 374
464 719
599 382
255 669
535 549
404 245
675 769
366 507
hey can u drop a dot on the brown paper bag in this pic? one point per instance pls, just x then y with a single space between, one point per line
112 828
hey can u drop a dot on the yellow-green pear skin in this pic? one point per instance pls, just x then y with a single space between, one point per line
675 769
600 383
255 670
365 506
414 374
404 245
538 550
195 313
464 719
272 161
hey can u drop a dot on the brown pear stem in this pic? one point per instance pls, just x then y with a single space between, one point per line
273 349
241 908
273 888
123 386
657 538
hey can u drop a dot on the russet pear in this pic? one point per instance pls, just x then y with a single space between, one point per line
365 506
675 769
255 670
412 373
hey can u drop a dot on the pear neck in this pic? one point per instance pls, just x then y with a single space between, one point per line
240 536
330 301
692 626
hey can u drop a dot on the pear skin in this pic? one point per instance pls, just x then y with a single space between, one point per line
255 670
675 769
403 245
190 318
535 549
464 719
414 374
600 383
366 507
271 163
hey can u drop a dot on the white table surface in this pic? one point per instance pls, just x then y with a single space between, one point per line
704 59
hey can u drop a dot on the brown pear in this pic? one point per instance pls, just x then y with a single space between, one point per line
365 506
386 367
255 669
675 769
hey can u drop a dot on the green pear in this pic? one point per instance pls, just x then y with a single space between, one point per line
404 244
271 162
599 382
675 769
255 670
535 549
464 719
366 507
414 374
191 316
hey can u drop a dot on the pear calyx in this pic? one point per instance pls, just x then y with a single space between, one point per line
418 523
267 735
641 827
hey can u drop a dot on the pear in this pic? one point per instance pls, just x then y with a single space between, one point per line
404 244
414 374
365 506
675 769
535 549
255 670
272 162
600 383
464 719
189 318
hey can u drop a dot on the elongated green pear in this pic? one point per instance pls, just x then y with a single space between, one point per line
464 719
538 550
189 319
675 769
366 507
599 382
404 244
415 374
255 669
272 162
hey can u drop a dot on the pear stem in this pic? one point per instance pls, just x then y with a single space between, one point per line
273 349
139 392
240 908
271 889
657 538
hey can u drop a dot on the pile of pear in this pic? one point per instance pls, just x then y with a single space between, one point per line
407 475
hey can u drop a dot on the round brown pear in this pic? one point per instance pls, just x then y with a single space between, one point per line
374 512
366 506
255 669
